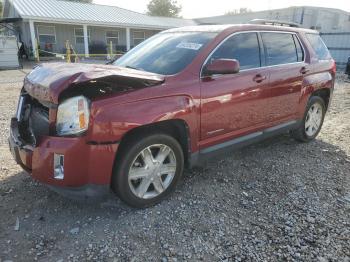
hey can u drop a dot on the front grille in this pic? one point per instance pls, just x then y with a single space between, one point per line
33 120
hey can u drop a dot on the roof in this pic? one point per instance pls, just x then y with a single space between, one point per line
84 13
200 28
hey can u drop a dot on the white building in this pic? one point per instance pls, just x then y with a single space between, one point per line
52 22
319 18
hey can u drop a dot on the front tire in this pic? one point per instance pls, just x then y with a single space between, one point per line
312 122
148 169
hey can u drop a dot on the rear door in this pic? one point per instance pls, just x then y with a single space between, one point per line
234 104
285 60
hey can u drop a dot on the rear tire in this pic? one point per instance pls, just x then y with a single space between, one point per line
312 121
148 169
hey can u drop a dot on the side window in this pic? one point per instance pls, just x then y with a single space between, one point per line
138 37
244 47
46 34
300 52
319 46
280 48
79 35
112 36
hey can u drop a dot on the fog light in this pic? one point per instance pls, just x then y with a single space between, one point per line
58 166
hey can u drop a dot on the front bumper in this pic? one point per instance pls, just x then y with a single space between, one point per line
87 168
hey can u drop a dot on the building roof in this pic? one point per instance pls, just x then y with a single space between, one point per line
246 17
84 13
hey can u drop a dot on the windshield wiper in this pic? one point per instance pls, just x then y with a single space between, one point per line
136 68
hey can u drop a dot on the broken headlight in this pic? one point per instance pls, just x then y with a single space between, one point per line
73 116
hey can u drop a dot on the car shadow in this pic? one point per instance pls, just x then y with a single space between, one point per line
240 166
232 194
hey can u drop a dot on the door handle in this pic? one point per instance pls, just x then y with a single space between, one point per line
259 78
304 70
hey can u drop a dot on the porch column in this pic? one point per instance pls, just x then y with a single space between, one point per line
32 38
127 39
86 41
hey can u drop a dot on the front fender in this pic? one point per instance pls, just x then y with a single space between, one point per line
110 122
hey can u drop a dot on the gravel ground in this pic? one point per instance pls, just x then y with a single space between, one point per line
277 200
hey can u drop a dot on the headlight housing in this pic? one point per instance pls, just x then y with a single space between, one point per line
73 116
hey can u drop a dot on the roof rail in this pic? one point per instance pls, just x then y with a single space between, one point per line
273 22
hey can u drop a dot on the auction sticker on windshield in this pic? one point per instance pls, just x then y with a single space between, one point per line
193 46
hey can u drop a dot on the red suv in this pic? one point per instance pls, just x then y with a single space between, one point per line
171 102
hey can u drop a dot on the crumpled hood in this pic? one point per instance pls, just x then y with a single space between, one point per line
47 81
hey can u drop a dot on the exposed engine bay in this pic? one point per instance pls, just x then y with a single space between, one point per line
32 119
57 81
105 86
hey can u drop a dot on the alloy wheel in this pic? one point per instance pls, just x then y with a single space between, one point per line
313 119
152 171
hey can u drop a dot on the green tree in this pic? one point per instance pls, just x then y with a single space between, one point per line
168 8
1 8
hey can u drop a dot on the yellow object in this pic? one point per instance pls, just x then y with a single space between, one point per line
37 50
76 57
68 51
111 49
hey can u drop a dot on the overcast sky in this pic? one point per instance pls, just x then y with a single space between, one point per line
203 8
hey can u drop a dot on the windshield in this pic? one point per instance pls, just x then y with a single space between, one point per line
166 53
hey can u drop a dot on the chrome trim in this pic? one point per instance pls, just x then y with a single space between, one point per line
215 131
302 47
255 31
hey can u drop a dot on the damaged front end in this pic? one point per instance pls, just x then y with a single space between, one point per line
49 135
31 121
29 125
57 81
54 105
105 86
48 85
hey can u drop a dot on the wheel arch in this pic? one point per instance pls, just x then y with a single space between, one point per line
316 84
324 93
177 128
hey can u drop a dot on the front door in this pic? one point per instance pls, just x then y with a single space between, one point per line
234 104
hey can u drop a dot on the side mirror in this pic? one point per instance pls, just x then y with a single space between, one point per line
222 67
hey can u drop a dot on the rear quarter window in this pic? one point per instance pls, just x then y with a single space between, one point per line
318 46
